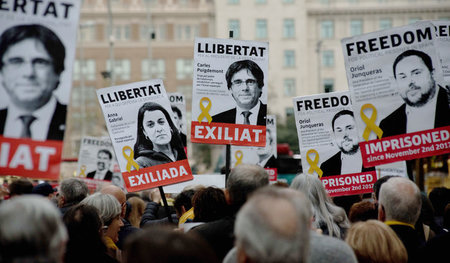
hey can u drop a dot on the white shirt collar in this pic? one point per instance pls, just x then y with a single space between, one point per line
253 116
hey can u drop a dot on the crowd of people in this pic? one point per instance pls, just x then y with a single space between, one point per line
248 221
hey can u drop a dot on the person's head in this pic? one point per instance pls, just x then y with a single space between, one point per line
268 149
31 230
414 74
245 81
242 181
375 242
109 210
345 133
72 191
31 61
177 116
118 193
84 226
183 201
209 204
439 197
155 127
362 211
324 211
400 200
273 226
162 244
20 186
44 189
104 159
137 205
377 186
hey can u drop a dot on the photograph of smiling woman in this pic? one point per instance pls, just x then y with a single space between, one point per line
158 139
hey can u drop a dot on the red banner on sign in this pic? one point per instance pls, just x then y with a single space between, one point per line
225 133
406 146
29 158
159 175
349 184
273 174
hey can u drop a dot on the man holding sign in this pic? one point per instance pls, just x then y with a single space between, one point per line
245 81
426 105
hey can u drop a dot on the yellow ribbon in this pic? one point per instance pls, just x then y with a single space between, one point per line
371 126
130 158
83 171
239 155
313 164
205 111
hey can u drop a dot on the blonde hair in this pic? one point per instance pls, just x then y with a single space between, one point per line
137 210
375 242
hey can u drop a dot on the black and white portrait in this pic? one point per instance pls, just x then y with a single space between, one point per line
426 104
348 160
178 117
245 82
158 139
104 161
32 60
266 155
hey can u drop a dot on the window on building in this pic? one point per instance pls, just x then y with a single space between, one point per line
288 28
328 85
184 68
289 58
289 87
327 29
234 25
328 58
356 27
326 2
151 2
288 1
261 28
261 1
233 2
412 20
122 68
385 23
154 68
289 111
86 68
120 32
87 33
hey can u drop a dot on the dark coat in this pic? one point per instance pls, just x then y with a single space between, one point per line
57 124
229 116
333 166
410 240
148 158
395 123
108 175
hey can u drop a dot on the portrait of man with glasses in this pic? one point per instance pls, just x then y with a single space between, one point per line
32 60
245 81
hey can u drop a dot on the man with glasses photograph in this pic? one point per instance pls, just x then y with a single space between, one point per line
245 81
31 62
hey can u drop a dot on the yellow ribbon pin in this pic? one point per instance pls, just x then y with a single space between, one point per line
130 158
205 111
313 164
370 122
82 171
239 155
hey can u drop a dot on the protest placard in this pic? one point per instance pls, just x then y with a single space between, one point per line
97 162
401 106
443 46
178 104
262 156
37 50
144 135
229 101
329 143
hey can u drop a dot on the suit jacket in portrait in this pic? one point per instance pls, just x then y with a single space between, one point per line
333 166
108 175
57 123
395 123
229 116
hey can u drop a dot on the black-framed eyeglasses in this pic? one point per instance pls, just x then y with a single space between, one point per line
240 82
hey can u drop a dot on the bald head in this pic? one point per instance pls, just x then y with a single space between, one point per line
117 193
